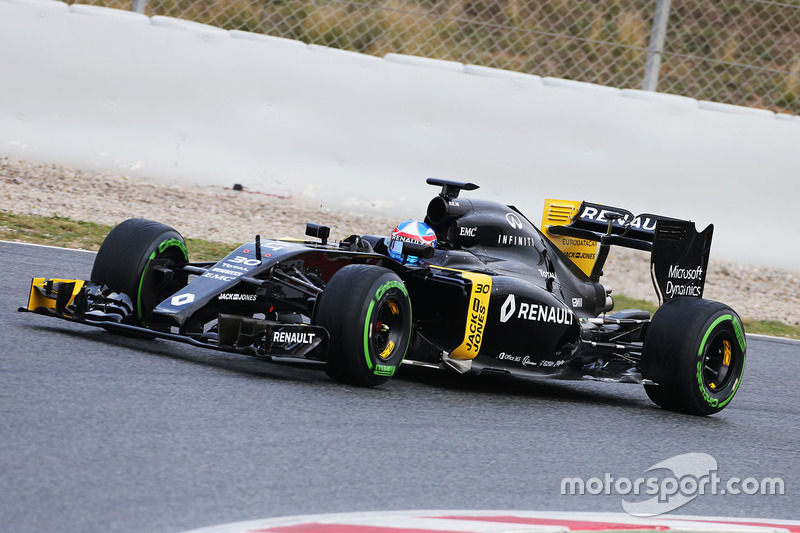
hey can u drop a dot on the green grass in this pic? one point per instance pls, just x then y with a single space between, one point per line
54 230
68 233
771 327
623 302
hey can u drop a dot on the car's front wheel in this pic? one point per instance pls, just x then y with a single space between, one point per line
124 257
694 350
367 312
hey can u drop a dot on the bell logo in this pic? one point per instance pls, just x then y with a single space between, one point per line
509 306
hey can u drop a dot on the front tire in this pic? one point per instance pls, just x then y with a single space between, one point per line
695 351
367 312
124 257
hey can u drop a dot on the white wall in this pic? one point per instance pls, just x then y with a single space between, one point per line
161 98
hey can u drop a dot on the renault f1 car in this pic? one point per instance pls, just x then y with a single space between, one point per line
497 295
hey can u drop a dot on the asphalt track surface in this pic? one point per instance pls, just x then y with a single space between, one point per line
106 433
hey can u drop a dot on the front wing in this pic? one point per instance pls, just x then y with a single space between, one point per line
72 299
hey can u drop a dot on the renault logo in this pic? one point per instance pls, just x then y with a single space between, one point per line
509 306
182 299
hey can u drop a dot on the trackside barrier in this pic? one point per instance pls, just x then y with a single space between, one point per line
174 100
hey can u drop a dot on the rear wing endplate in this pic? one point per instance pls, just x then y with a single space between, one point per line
679 259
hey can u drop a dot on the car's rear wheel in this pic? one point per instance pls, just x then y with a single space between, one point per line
126 259
695 351
367 312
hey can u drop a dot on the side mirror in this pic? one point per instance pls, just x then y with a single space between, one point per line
318 231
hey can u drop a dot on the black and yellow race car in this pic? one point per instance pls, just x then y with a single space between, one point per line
495 295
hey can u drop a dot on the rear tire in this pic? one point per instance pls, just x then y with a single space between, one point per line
367 312
695 351
123 259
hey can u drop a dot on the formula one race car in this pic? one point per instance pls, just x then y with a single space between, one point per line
496 295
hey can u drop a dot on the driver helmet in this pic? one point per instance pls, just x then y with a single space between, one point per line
410 231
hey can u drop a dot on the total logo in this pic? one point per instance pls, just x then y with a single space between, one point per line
534 312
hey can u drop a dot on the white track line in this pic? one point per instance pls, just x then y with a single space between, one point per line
47 246
500 522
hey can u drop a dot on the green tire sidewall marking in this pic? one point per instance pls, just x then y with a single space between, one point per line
385 370
737 328
381 370
390 285
177 243
161 247
366 333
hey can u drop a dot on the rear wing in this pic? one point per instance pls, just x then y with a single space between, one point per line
584 231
